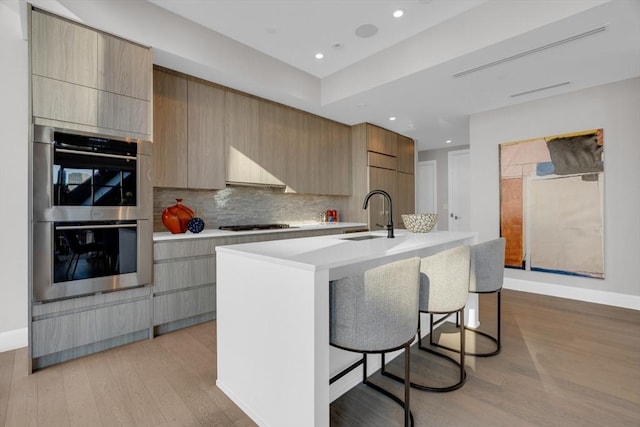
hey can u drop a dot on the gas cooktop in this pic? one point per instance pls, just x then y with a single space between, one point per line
249 227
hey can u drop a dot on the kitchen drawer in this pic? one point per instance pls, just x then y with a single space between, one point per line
180 305
174 275
55 334
183 249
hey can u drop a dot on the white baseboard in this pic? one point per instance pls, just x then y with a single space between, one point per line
575 293
10 340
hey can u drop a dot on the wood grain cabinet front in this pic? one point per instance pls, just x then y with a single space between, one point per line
242 133
184 288
124 67
381 140
383 160
62 50
188 132
406 154
205 135
88 80
169 130
272 144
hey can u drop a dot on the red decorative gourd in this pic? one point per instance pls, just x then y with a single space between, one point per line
176 217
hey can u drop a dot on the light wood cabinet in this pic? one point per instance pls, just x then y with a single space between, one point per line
63 51
406 196
123 113
205 135
406 154
81 76
184 288
271 144
188 148
170 130
124 67
299 167
382 179
241 131
381 140
237 138
67 329
373 168
63 101
276 131
320 156
334 160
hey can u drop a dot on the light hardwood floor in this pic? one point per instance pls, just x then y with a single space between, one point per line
564 363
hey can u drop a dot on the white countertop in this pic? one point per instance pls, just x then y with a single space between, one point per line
214 232
326 252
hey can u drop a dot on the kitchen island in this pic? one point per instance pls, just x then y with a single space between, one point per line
273 353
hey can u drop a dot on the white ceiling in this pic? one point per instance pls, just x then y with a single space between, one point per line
406 70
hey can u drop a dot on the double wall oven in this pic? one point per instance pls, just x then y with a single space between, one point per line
91 213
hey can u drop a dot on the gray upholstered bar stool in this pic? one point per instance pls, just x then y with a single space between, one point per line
376 313
444 289
487 277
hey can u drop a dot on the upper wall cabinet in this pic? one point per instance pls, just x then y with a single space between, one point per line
188 126
85 79
271 144
380 140
242 133
205 135
406 156
329 153
63 51
124 67
170 130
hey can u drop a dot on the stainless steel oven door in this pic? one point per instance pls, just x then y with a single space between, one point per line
81 258
48 207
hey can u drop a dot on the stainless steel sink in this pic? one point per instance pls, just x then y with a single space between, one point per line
367 237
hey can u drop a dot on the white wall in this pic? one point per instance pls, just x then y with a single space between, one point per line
616 109
13 179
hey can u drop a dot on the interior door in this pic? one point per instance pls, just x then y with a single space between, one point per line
459 182
427 187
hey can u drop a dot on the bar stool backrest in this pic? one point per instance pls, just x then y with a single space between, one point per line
444 280
378 310
487 266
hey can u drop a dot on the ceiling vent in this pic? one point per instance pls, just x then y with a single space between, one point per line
540 89
532 51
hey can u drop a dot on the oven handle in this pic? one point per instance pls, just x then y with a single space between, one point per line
86 227
89 153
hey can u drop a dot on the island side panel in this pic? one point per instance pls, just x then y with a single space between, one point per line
272 340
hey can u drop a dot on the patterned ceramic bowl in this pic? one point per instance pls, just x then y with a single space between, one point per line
420 223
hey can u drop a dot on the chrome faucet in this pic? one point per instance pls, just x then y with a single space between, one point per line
388 198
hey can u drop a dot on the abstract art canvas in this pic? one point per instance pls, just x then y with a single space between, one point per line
551 203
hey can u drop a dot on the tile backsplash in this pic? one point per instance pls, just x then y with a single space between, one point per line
246 205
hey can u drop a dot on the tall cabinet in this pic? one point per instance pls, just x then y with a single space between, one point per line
88 81
382 160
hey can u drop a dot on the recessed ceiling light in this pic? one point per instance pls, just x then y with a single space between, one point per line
392 118
398 13
319 55
448 141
